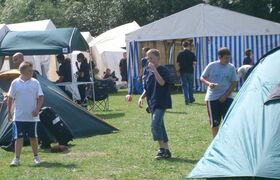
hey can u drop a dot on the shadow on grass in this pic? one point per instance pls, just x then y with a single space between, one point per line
111 116
182 160
176 112
54 165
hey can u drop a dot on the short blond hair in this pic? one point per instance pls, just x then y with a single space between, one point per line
154 52
25 66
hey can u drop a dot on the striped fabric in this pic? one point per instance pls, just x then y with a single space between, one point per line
132 64
207 51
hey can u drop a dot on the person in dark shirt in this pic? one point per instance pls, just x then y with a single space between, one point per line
248 60
64 72
186 61
83 76
123 67
157 92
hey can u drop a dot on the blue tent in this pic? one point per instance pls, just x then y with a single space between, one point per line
248 142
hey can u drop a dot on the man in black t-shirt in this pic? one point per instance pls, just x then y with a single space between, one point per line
64 72
123 67
186 61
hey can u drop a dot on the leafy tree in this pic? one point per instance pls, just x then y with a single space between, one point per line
266 9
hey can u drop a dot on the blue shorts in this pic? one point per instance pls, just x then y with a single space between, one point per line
217 110
24 129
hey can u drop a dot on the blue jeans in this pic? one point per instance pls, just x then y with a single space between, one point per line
187 80
157 125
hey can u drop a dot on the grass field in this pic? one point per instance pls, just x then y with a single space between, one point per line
128 153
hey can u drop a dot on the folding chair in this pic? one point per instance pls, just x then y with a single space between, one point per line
101 97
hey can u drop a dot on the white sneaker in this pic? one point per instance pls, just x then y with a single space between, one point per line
36 160
15 162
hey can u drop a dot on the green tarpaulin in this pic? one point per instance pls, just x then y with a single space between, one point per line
57 41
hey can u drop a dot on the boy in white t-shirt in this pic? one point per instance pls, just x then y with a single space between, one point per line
26 95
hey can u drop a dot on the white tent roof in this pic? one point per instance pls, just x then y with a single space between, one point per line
87 36
106 48
114 37
32 26
203 20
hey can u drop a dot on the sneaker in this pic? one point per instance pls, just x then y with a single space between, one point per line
36 160
167 154
15 162
160 154
192 100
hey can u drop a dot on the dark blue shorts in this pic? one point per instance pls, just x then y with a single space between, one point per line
217 110
24 129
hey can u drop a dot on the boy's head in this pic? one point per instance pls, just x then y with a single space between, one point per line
18 58
153 56
26 69
224 55
145 50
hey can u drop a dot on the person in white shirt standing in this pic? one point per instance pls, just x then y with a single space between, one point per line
27 96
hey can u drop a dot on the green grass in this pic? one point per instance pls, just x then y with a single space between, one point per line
128 153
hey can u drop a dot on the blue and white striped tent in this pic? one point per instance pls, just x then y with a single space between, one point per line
211 28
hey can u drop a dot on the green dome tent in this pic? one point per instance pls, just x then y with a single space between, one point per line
248 142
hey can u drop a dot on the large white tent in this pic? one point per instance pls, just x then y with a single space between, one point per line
45 65
211 28
107 47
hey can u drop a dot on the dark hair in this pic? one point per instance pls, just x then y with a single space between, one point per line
185 44
60 56
81 55
223 52
146 49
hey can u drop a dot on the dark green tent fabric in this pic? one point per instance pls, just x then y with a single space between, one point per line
81 122
57 41
248 142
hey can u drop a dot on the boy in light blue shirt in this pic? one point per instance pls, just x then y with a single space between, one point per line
220 77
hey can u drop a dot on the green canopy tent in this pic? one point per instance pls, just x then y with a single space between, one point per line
57 41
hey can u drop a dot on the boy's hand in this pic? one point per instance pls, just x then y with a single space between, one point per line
212 85
35 113
140 102
223 99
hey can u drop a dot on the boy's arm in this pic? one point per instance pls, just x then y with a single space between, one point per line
39 104
9 104
140 100
208 83
228 92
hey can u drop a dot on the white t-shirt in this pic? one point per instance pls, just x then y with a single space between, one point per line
25 95
223 75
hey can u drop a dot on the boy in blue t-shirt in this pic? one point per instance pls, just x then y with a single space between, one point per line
157 92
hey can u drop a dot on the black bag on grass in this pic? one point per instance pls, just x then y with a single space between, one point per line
55 125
